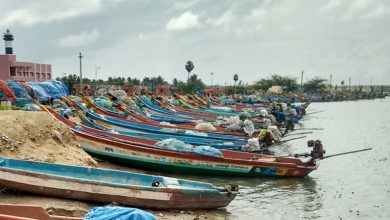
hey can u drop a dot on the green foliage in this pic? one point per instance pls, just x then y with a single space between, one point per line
316 84
194 85
133 81
70 80
159 80
12 107
289 84
240 88
73 79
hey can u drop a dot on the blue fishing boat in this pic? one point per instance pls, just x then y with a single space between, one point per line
111 186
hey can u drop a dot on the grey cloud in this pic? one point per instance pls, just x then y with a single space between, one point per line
251 38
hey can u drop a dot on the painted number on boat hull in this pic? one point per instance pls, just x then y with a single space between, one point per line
109 149
268 171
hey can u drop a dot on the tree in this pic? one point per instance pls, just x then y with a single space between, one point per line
70 80
235 78
146 81
175 82
288 84
316 84
193 85
189 67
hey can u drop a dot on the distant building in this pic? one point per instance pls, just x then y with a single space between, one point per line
10 69
215 90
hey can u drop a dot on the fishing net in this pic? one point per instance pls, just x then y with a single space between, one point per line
22 97
6 93
28 89
104 103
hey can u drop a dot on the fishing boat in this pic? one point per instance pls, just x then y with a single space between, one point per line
28 212
111 186
231 163
140 120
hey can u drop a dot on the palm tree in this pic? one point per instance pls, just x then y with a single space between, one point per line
189 67
235 78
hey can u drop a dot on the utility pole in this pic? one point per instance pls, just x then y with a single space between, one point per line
302 81
81 73
96 79
211 79
349 84
330 80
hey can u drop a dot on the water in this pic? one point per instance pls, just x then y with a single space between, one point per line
355 186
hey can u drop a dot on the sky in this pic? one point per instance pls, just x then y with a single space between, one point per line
254 39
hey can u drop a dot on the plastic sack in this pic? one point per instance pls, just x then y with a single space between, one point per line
235 120
233 128
252 145
31 107
195 133
118 213
277 135
208 151
207 126
249 127
263 112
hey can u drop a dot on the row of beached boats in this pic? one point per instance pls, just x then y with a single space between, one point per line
129 134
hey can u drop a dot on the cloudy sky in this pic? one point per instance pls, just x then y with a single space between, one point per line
251 38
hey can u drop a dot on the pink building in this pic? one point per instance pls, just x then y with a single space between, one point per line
10 69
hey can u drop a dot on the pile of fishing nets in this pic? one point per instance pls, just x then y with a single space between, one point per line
177 145
104 102
6 94
21 93
22 97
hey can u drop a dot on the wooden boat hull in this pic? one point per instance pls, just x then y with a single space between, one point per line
176 162
102 192
28 212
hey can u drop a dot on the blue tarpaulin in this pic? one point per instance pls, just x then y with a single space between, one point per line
39 92
118 213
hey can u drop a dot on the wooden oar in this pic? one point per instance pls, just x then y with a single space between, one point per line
310 113
307 129
309 132
332 155
284 141
348 152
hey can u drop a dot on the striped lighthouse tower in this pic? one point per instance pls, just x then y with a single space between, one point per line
8 38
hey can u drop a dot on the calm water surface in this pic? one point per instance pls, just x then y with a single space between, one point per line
355 186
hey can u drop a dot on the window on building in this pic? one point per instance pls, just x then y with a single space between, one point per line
48 76
31 74
38 76
43 76
12 71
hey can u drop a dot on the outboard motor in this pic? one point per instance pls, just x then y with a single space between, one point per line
318 150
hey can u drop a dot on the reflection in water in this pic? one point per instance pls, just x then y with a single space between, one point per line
277 197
